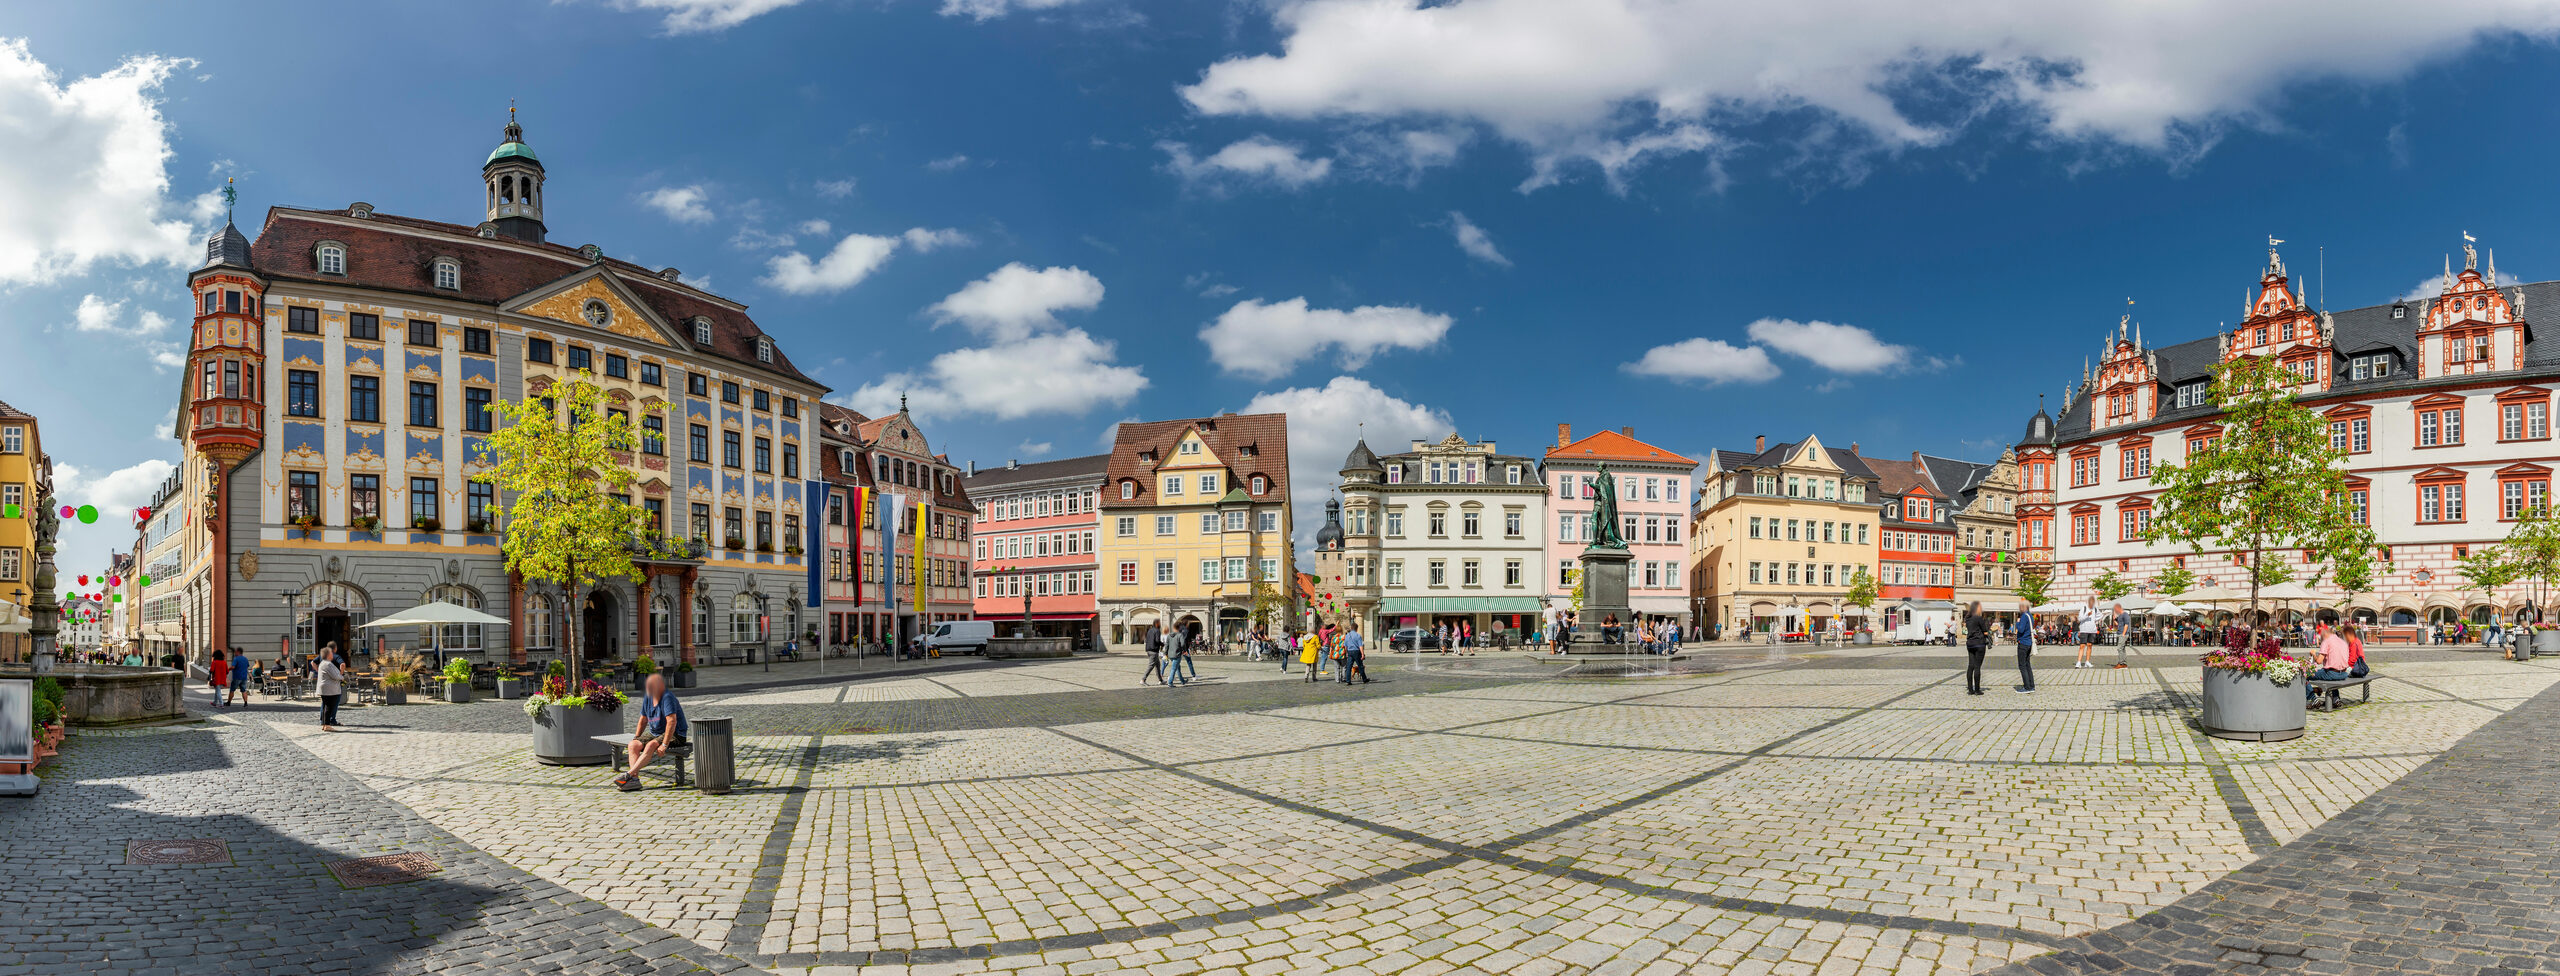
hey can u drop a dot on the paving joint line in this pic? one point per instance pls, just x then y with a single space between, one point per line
2244 812
755 910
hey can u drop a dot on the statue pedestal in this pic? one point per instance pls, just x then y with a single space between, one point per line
1604 592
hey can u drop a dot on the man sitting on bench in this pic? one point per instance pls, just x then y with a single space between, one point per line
662 726
2333 660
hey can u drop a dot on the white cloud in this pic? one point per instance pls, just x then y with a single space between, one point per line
85 179
1266 341
1219 290
1052 373
1256 158
144 330
682 204
836 189
948 163
1473 240
814 227
1013 301
1323 424
1029 449
116 494
705 16
1838 348
853 259
986 10
1610 83
1706 361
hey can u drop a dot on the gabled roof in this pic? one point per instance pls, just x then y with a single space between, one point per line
1610 445
1227 436
1849 463
1959 480
10 411
395 253
1903 478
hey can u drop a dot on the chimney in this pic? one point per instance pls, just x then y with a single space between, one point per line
1629 431
1564 434
1013 464
1853 448
973 467
1759 443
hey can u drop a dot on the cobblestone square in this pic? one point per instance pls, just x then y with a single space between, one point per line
1808 814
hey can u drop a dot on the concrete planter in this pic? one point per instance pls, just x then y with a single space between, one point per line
2249 707
394 696
567 736
457 692
680 679
2545 643
510 689
1863 639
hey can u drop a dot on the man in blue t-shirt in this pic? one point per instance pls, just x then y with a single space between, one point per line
662 726
2026 633
1352 657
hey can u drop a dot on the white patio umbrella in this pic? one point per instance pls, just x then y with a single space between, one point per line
2166 608
433 615
2287 590
2208 594
2056 606
2134 602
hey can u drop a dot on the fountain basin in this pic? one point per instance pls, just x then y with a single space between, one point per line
108 695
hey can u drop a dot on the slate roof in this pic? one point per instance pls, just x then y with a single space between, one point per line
1229 436
2359 331
1361 458
10 411
1089 468
1960 480
493 271
1850 464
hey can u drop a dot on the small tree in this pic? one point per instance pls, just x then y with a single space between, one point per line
2110 586
2174 580
2532 552
1269 605
1862 592
2032 588
2486 569
564 523
2271 483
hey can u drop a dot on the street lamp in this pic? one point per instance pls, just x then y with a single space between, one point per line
286 598
764 612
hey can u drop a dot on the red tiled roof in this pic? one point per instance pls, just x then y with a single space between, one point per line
1228 437
1903 478
1609 445
493 271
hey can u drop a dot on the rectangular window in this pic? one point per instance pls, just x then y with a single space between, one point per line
2453 503
476 414
2511 421
305 320
764 530
1470 573
790 460
698 444
475 341
364 399
733 526
1511 572
1511 524
1268 522
1755 572
764 455
728 392
580 357
422 333
764 400
1395 524
302 494
1164 525
1128 573
1755 526
731 452
649 374
1208 484
700 521
1209 570
481 497
1164 571
2510 499
364 325
422 404
1126 527
302 393
2537 420
537 350
1439 572
617 365
697 384
364 496
653 435
422 502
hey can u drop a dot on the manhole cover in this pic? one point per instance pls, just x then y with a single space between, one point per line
177 852
366 872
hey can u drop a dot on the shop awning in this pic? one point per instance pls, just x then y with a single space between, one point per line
1399 606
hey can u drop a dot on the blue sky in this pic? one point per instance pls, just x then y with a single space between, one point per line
1704 220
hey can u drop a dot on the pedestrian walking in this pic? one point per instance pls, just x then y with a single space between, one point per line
218 679
1155 658
332 687
239 678
2124 633
2087 632
1354 656
2026 634
1977 642
1182 656
1311 651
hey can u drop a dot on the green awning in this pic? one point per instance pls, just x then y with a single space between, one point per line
1404 605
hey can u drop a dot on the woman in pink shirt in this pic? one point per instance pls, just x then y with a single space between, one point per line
2333 659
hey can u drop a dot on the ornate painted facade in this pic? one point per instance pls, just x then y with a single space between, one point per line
338 401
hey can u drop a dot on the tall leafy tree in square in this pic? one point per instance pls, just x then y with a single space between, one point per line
562 464
2270 485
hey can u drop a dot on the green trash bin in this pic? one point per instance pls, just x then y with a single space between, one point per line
715 762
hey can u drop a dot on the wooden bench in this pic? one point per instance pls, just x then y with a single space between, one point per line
724 657
676 754
2324 694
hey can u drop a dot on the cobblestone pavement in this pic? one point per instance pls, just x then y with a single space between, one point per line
1814 811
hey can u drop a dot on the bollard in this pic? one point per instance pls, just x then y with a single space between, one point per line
715 762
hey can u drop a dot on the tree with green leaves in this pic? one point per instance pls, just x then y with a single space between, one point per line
2531 552
2033 588
1270 606
2173 581
1862 592
2270 484
2486 569
563 477
2110 586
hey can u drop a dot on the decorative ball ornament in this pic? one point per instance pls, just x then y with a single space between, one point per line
144 581
84 581
68 511
88 514
9 511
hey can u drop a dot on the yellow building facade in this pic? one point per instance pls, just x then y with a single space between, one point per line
26 476
1776 536
1195 524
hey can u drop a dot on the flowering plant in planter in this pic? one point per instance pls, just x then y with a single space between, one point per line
2264 657
426 523
597 695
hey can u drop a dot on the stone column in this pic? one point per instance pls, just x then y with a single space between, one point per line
684 614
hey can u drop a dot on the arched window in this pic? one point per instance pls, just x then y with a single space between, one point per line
701 332
537 621
1128 490
702 621
742 620
1260 484
662 619
333 259
452 638
448 274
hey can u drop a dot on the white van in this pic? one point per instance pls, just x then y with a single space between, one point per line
955 636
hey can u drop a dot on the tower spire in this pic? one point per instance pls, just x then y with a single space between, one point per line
231 198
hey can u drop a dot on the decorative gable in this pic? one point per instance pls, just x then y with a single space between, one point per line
590 299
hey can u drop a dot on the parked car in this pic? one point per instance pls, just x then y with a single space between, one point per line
1413 638
955 636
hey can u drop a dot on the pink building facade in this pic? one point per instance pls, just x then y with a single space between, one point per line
1653 506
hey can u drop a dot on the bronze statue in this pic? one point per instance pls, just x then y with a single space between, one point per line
1605 515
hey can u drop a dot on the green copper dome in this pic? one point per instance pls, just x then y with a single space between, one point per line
514 150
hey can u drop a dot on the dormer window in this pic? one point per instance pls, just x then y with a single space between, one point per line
2399 311
764 349
332 258
1260 484
1128 489
844 461
448 274
701 332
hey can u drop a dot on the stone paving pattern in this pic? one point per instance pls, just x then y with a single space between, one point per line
1802 812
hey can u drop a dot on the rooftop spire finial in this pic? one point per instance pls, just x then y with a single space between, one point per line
231 197
902 401
515 133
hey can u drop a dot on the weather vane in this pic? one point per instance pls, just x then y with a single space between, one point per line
230 196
